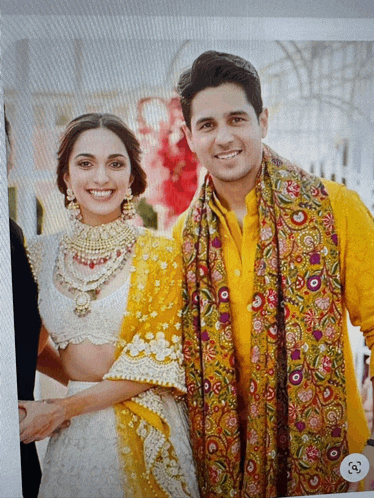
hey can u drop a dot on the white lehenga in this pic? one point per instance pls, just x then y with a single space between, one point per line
83 460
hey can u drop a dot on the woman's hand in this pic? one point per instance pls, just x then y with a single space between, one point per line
42 419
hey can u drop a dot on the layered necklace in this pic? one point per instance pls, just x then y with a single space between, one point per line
90 256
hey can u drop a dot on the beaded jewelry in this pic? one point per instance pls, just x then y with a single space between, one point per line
73 207
128 209
102 250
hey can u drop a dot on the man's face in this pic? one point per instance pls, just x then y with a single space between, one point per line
226 134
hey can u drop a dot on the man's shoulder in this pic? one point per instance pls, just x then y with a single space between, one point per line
334 189
341 197
179 225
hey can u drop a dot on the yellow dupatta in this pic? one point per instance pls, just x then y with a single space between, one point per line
149 350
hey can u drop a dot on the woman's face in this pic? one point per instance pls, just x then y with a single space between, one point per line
99 173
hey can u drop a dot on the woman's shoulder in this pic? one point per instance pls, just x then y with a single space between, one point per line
38 247
43 241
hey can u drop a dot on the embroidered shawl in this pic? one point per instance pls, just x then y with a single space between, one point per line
296 422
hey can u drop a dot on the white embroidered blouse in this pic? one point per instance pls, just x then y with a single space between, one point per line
100 326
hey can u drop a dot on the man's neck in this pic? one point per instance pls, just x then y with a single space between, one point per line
232 196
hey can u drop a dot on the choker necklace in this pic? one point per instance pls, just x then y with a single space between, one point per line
90 256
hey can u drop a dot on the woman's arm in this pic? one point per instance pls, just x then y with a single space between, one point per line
44 417
49 363
43 339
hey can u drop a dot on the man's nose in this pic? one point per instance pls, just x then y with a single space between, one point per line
224 135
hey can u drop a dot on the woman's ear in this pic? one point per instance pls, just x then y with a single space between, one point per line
66 179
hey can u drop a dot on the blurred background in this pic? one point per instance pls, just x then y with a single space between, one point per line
320 96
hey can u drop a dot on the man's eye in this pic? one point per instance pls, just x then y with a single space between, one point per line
206 126
237 119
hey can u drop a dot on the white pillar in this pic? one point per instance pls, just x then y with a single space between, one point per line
10 461
23 140
79 101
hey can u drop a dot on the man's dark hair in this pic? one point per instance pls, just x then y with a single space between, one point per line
212 69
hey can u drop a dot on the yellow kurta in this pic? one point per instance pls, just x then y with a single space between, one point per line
355 229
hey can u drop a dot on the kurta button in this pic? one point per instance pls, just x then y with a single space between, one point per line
237 272
249 307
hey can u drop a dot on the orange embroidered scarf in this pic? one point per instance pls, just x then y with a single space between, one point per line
296 426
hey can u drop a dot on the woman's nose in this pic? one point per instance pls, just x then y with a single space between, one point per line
101 174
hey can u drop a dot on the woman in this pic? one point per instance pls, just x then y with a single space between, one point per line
110 298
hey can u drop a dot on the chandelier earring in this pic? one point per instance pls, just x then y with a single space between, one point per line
128 208
73 207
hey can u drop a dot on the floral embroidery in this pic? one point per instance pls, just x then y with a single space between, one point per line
298 383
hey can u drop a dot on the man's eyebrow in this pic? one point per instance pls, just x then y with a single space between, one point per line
238 112
203 120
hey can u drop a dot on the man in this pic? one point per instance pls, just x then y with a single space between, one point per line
27 326
273 258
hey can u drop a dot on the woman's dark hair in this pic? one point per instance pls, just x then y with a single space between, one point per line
91 122
212 69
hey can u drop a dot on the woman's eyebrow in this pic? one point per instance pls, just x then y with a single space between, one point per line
91 156
84 154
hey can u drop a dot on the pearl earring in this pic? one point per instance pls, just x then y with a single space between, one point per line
128 209
73 207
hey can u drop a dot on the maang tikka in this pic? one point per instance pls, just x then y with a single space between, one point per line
128 208
73 207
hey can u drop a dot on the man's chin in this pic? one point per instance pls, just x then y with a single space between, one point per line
232 177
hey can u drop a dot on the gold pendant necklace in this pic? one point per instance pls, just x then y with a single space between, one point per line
90 256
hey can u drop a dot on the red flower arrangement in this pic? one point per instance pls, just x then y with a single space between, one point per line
171 162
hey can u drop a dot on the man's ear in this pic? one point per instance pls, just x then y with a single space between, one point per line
263 120
188 135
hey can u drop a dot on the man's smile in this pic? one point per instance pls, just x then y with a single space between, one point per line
228 155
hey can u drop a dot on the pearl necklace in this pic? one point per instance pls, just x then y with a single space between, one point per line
90 256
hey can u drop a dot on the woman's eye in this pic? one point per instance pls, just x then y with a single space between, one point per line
84 164
117 164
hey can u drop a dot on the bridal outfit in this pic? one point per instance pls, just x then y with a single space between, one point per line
140 447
